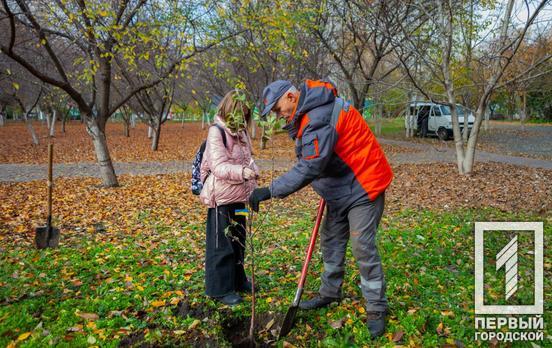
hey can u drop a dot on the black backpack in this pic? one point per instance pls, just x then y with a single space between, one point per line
197 184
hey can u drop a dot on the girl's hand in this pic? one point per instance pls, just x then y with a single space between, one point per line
248 173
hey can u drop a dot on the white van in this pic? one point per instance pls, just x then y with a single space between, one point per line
439 120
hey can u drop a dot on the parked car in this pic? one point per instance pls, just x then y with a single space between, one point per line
431 118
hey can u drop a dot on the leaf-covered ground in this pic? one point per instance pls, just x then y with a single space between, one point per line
129 270
178 142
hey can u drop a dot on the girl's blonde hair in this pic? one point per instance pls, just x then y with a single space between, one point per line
229 104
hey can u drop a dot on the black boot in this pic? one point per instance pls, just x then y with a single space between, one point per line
317 302
230 299
376 323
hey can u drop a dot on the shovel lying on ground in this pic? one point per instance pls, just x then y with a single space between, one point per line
48 236
287 325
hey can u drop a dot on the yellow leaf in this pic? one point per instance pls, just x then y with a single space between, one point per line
158 303
23 336
194 324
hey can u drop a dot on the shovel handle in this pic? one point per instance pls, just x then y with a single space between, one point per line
321 206
50 182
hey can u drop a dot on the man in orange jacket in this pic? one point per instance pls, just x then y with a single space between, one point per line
342 160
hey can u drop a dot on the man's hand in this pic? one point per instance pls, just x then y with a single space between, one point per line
258 195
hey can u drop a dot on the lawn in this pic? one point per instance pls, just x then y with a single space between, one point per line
130 272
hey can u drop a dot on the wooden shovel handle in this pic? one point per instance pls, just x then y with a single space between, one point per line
50 182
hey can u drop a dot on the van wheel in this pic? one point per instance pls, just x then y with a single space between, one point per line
442 133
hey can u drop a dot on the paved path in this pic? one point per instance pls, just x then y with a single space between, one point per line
28 172
427 154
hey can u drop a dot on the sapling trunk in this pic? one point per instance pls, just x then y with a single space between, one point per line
251 247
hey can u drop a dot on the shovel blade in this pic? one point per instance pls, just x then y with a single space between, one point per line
289 320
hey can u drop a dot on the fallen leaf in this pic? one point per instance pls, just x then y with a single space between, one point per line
269 324
23 336
194 324
91 340
76 328
397 336
87 316
158 303
338 324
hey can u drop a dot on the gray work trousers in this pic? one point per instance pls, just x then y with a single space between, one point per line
360 224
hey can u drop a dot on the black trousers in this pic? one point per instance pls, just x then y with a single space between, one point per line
225 249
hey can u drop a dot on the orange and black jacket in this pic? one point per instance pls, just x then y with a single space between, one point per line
344 162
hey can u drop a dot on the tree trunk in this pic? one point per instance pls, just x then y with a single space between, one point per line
264 139
523 114
107 172
203 120
41 116
63 121
30 127
53 124
133 120
378 116
126 127
488 114
467 165
253 128
465 130
156 134
150 132
2 113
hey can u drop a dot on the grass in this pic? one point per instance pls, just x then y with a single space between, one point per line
389 126
529 121
105 288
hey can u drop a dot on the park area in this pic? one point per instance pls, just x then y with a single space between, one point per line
129 270
114 99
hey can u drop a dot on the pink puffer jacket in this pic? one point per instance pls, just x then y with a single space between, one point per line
222 167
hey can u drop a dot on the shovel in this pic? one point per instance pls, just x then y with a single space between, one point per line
287 325
48 236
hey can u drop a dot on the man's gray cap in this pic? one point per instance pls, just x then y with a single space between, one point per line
272 93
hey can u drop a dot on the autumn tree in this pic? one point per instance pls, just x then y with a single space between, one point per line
439 51
358 38
529 72
273 44
23 91
83 47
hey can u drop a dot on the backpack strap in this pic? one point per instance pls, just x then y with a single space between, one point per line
222 134
339 104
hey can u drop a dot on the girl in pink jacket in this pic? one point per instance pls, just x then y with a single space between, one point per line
229 174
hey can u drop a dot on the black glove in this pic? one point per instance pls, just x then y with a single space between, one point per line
258 195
